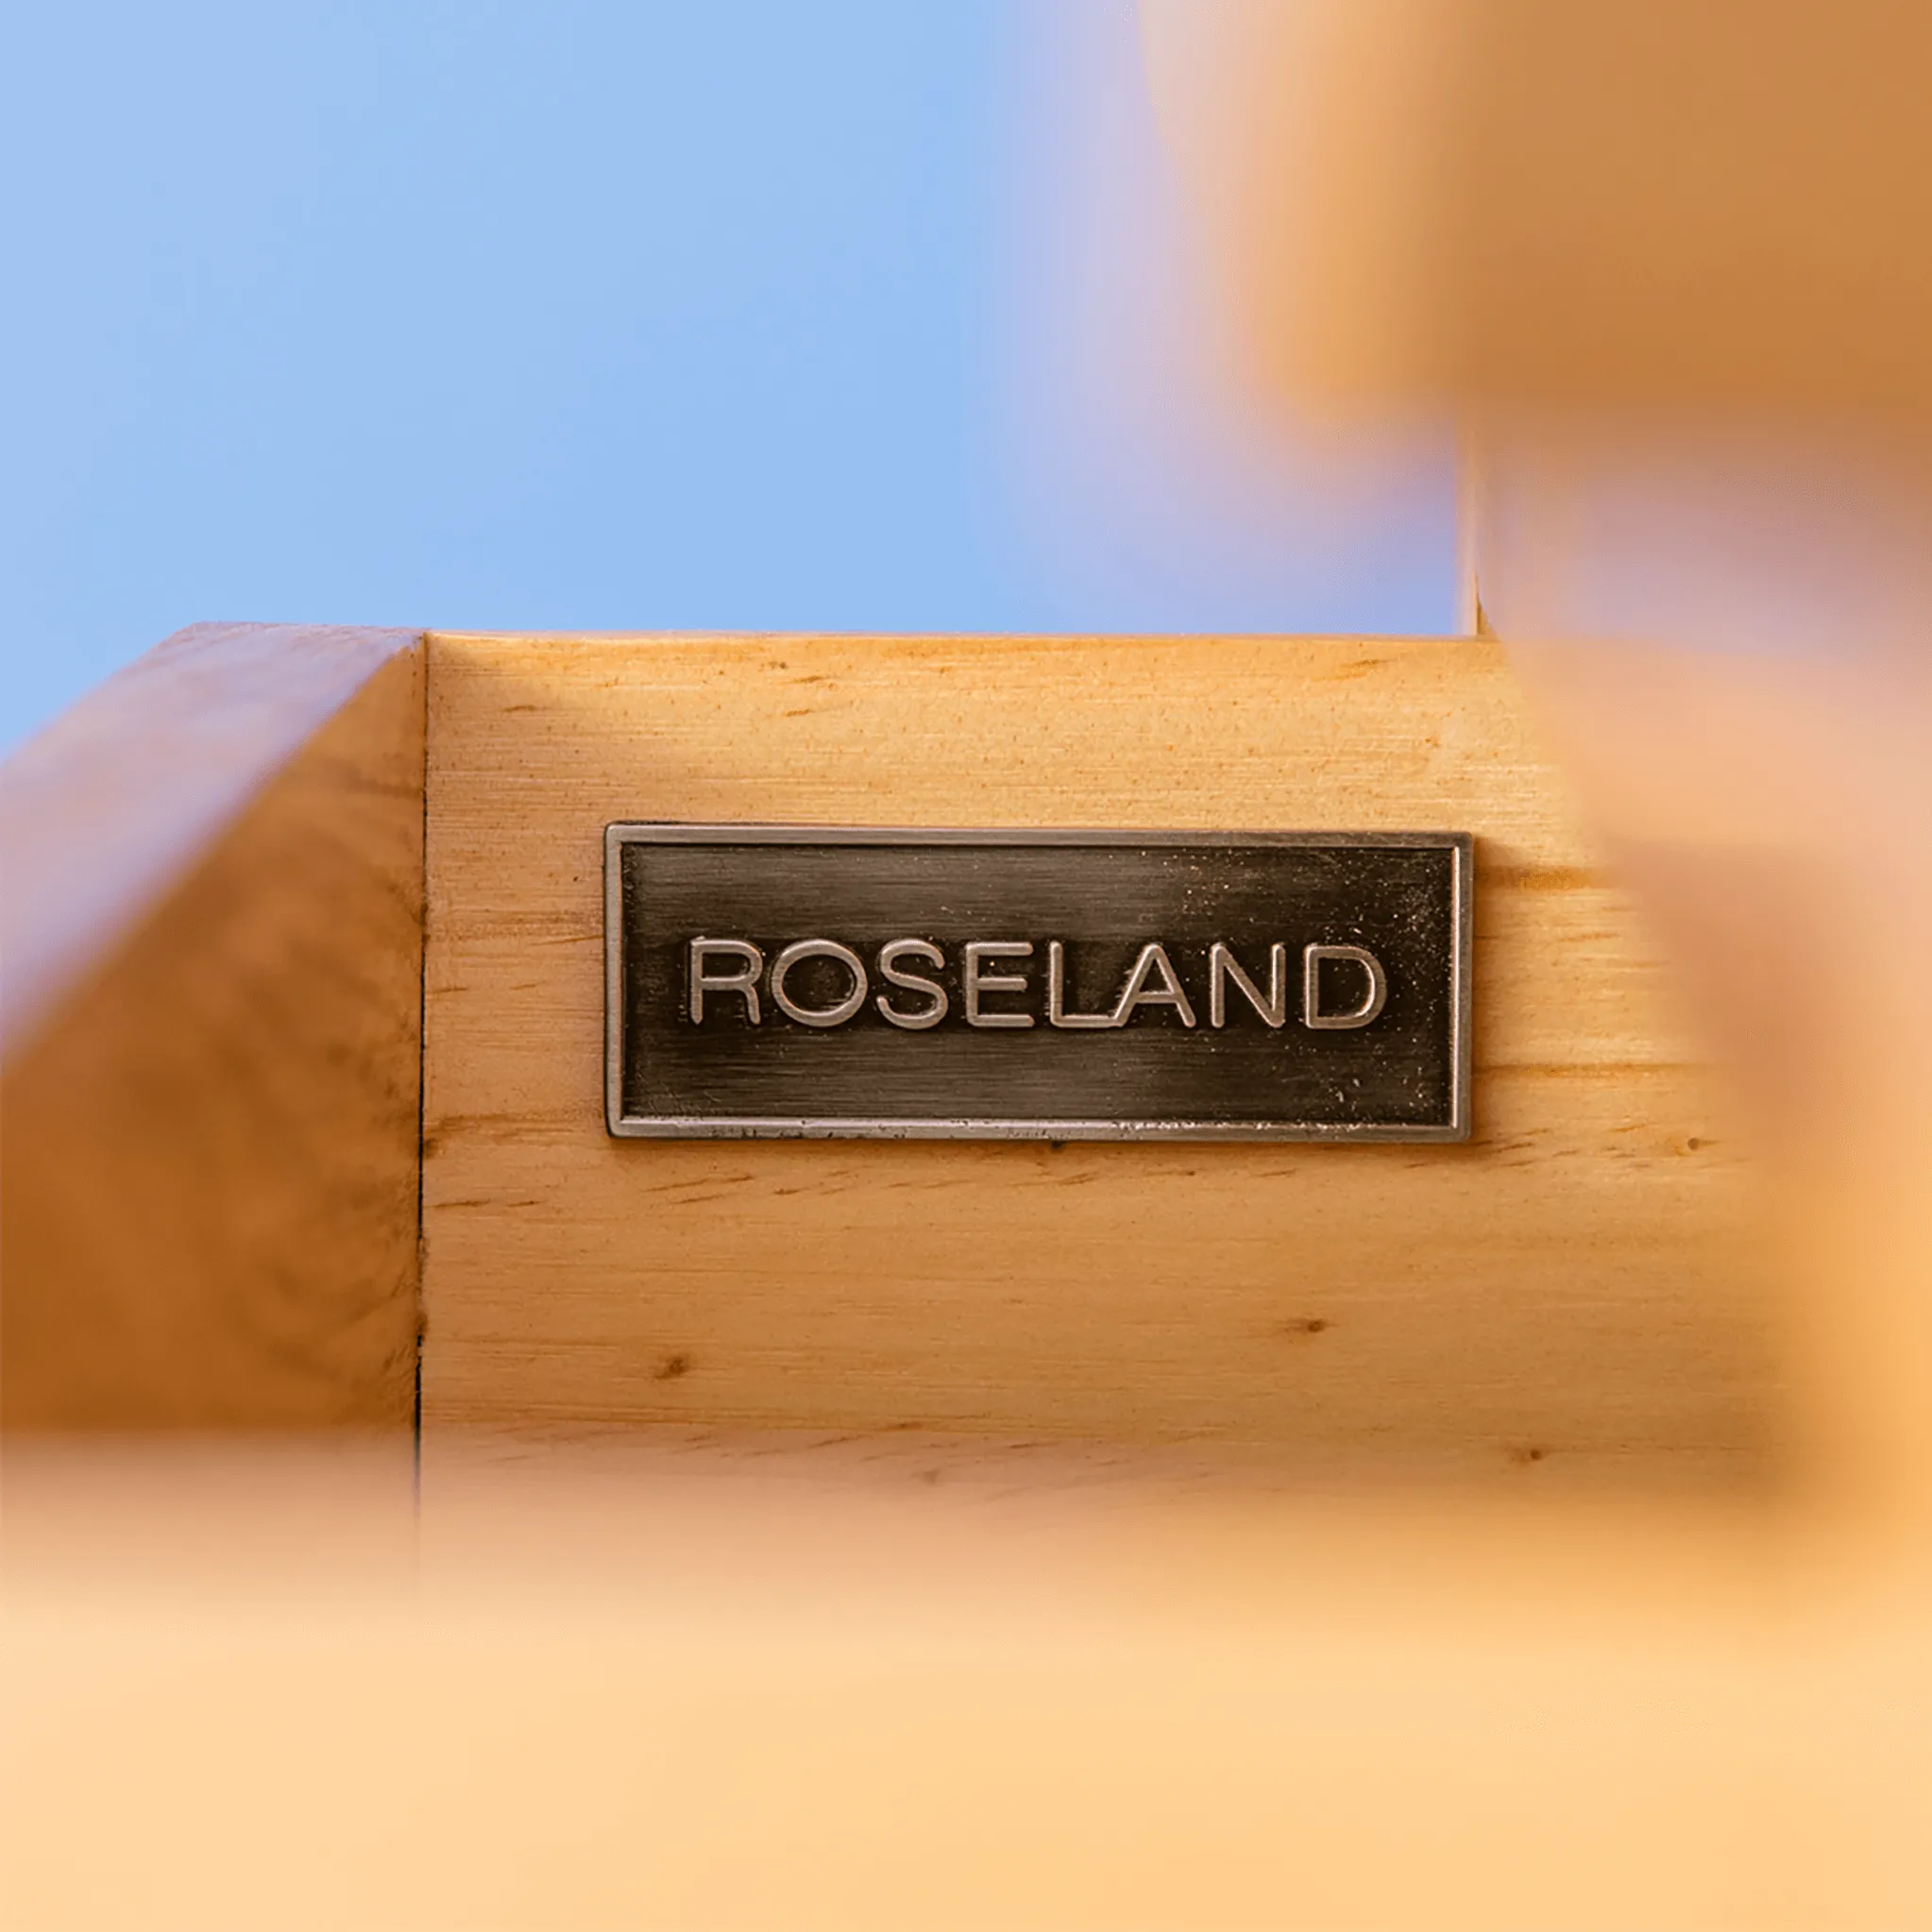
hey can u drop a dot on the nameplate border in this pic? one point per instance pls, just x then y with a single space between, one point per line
766 1126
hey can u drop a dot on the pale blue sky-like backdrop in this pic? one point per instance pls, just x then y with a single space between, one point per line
804 314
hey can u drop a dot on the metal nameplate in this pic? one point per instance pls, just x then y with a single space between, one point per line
807 981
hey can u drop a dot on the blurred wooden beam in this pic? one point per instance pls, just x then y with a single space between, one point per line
1650 205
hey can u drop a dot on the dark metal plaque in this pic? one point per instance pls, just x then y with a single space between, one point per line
789 981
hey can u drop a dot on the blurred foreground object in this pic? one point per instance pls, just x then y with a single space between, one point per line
1664 263
1652 205
645 1685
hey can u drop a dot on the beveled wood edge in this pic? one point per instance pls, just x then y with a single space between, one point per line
109 807
211 1077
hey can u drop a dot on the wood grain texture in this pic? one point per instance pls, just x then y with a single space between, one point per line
1571 1290
210 1103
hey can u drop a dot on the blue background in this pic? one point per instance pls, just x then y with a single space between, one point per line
627 316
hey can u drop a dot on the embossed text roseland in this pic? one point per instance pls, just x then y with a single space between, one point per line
805 981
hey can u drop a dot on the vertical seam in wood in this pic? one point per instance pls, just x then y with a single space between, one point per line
422 1076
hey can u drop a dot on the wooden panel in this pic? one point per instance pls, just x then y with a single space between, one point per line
210 1100
1571 1291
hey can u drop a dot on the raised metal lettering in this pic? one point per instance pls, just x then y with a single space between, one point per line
1372 1001
1223 966
889 956
795 955
1057 1013
1170 992
898 982
745 980
977 982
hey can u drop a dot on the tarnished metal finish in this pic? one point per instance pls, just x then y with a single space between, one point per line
804 981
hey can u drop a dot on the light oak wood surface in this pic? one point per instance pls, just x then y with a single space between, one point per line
211 1093
1574 1293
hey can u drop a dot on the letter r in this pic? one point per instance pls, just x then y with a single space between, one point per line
744 980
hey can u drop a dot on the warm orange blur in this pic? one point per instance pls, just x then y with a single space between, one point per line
646 1684
1667 263
1661 205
